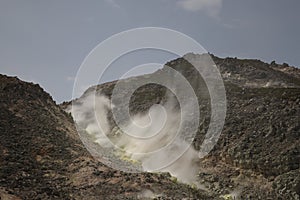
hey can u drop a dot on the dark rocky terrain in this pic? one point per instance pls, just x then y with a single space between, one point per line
42 156
256 157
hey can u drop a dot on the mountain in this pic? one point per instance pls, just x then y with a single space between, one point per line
42 156
256 157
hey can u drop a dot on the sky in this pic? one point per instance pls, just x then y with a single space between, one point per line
45 42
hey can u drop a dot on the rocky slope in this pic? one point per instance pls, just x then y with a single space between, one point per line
256 157
258 153
255 73
42 156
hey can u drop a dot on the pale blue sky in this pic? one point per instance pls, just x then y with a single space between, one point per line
46 41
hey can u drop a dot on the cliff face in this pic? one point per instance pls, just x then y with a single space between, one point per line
42 156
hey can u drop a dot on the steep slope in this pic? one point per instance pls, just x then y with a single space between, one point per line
258 153
42 156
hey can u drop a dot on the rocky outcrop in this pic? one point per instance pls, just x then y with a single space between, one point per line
251 73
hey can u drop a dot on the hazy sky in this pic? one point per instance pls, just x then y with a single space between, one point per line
46 41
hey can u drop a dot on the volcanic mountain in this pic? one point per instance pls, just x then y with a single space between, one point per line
256 157
42 156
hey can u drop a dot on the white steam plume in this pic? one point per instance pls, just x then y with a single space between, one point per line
141 146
